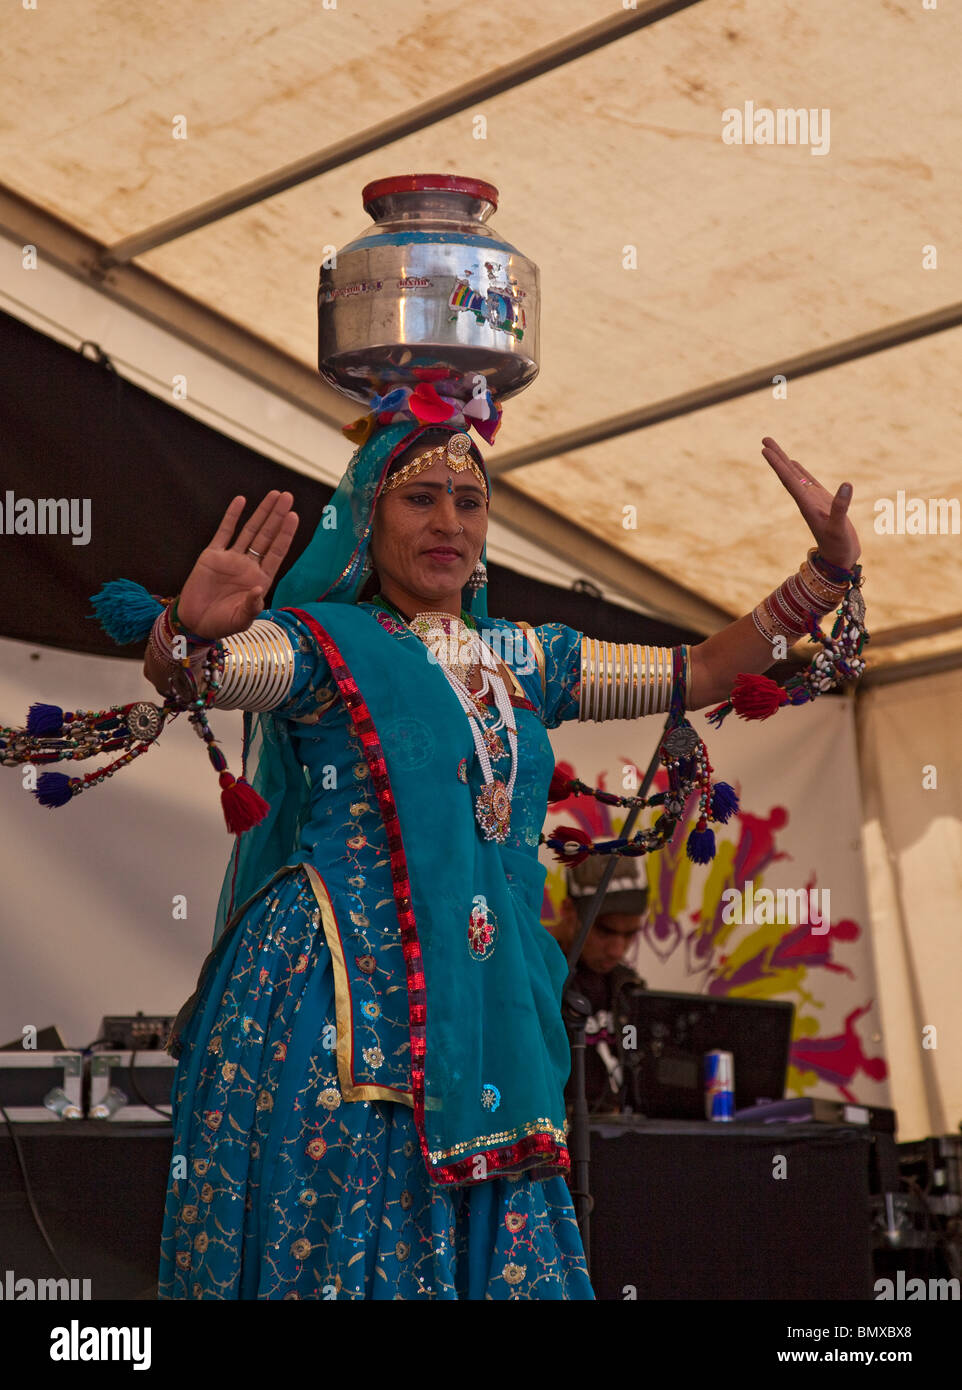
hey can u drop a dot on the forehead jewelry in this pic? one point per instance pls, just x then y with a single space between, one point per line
456 453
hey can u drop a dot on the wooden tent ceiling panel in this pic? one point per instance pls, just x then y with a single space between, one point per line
713 515
746 255
96 85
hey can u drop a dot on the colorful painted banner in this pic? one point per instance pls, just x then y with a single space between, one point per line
782 911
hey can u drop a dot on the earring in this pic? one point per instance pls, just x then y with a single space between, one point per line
478 577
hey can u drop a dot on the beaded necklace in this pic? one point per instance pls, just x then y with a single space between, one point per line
437 631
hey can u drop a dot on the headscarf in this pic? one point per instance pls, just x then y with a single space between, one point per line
333 568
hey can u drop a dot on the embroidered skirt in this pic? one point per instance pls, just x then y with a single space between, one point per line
281 1189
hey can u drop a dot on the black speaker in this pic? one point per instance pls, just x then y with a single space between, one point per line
700 1210
100 1189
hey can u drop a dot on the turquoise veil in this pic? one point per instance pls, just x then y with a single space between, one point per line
490 1039
333 568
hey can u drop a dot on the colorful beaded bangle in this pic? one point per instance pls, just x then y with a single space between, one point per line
181 631
834 573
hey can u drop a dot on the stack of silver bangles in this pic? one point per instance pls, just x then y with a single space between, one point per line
622 680
258 667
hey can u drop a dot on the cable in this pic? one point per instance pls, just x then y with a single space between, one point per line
138 1094
38 1220
167 1114
151 1291
934 1236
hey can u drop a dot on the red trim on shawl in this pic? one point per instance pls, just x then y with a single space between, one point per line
555 1154
248 725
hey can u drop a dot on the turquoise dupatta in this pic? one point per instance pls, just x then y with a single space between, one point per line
489 1053
332 568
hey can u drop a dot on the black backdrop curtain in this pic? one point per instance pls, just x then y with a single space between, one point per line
158 482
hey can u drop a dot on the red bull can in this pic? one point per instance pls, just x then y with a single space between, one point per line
719 1086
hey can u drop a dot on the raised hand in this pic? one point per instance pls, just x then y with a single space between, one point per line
225 590
827 516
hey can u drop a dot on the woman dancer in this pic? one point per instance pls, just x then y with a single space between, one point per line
369 1097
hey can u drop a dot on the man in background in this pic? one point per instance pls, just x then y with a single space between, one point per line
602 975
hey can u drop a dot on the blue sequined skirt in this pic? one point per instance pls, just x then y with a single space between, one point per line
281 1189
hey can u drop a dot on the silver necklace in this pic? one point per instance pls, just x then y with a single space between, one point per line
458 648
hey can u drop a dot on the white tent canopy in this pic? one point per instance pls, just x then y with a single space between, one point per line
671 261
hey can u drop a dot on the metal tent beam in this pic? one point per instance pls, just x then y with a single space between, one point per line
236 347
759 378
387 132
294 381
895 671
78 255
663 597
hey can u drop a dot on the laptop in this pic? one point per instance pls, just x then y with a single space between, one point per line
664 1073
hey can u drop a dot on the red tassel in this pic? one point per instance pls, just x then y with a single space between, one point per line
243 808
757 697
566 833
559 790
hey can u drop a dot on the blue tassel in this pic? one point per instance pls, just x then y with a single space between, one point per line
724 802
53 789
701 846
126 611
44 719
720 715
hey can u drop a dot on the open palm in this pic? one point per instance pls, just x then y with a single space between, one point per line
225 590
826 515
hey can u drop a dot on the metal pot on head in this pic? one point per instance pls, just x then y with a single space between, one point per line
430 292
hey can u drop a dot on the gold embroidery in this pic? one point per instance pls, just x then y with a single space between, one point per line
342 1001
505 1137
326 695
535 641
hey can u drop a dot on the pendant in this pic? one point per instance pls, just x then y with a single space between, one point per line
681 741
492 742
493 811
